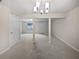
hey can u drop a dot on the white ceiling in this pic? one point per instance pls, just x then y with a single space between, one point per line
26 6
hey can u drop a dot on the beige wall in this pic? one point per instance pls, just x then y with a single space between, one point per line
8 23
67 29
4 28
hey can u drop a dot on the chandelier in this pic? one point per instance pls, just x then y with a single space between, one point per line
41 7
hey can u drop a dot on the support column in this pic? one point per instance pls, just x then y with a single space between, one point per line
49 24
33 32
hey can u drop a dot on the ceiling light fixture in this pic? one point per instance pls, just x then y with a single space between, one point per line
41 7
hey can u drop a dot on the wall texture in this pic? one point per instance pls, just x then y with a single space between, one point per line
67 29
4 27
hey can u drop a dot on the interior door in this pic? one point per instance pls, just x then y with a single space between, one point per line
14 29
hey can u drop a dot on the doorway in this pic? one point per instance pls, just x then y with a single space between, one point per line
36 28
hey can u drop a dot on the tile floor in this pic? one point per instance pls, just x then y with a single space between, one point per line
25 49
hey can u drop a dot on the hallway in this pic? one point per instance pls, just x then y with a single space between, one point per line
39 29
25 49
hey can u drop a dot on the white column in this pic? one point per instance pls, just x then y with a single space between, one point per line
33 31
49 24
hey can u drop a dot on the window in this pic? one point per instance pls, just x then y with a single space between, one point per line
29 26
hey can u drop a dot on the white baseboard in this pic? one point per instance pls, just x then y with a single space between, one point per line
5 50
57 36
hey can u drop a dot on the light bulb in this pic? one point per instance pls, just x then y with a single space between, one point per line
46 5
37 4
41 11
46 11
35 9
